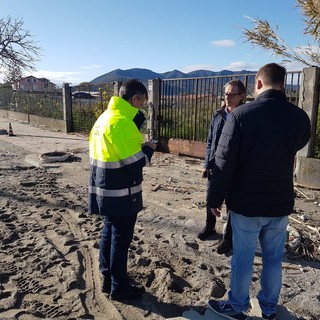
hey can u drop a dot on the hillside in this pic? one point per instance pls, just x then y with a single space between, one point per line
146 74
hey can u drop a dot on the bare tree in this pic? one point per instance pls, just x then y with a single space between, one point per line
12 74
263 35
16 45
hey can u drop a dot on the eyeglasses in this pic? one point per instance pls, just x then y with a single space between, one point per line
231 94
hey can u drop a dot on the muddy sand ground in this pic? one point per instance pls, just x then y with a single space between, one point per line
49 245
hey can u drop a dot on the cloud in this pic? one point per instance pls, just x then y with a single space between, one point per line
194 67
223 43
91 67
293 66
241 65
59 77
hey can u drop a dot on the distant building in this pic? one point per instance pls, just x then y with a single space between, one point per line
33 84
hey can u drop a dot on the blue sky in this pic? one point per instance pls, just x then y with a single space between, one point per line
83 39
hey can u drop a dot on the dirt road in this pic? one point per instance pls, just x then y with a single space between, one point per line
49 245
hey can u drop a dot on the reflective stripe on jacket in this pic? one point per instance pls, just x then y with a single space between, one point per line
116 161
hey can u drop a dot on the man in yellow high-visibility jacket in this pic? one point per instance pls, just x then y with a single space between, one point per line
117 157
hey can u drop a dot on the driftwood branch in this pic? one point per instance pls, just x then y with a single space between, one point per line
315 229
285 266
295 188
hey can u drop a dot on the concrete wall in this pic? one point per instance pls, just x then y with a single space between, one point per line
54 124
307 173
14 115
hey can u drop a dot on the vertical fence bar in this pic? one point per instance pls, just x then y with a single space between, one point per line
194 123
200 108
188 112
174 107
164 108
297 88
185 109
179 109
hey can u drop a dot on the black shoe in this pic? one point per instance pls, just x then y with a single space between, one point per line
271 317
225 310
206 232
224 246
129 291
106 285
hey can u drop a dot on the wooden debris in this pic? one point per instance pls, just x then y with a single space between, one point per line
285 266
295 188
156 188
306 225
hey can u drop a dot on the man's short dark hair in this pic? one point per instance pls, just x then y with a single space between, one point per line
132 87
272 74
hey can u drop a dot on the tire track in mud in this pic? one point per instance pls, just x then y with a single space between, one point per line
50 226
97 302
93 299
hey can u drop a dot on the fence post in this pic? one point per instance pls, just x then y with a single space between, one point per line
67 108
116 87
309 100
153 108
307 168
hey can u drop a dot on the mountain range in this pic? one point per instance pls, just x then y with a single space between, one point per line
146 74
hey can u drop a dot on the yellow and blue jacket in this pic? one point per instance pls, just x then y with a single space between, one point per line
117 160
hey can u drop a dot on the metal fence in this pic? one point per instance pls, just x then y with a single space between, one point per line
187 104
88 102
185 109
43 104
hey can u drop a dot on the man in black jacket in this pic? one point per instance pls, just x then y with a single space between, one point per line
253 173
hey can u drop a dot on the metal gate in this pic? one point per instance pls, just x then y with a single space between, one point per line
187 104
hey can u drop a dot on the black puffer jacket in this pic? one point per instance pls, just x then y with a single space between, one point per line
255 157
216 126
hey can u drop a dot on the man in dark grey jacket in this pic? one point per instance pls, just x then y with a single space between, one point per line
253 173
234 95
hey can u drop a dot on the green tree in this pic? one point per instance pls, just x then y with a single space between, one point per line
263 35
16 45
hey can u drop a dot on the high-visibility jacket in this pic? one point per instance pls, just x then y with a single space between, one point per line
117 160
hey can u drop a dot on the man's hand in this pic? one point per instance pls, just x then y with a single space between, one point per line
150 144
216 211
205 173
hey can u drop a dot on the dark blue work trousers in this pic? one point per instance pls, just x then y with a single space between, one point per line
211 218
116 237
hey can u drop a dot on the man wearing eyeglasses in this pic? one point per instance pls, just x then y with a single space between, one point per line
253 173
234 95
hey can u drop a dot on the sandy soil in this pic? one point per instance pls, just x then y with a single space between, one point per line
49 245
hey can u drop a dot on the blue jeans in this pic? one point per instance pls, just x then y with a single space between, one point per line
116 237
271 233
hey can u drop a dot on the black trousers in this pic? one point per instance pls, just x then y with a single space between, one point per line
211 222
